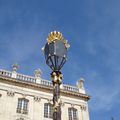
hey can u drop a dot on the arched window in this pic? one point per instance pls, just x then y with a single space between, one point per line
72 113
48 110
22 106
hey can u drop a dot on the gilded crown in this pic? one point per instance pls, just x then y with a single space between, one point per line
52 36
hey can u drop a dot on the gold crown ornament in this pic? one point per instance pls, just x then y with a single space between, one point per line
52 36
56 35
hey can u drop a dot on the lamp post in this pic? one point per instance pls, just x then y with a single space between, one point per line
55 52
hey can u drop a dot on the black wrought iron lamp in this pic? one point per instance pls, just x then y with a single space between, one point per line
55 52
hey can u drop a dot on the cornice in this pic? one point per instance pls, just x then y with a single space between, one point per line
40 87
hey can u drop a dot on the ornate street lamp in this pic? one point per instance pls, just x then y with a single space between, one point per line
55 51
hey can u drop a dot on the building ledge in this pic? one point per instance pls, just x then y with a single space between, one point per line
44 85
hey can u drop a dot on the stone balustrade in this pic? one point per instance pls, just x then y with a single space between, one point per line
70 88
5 73
26 78
46 83
33 79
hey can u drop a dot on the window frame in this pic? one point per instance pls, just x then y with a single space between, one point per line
22 106
72 113
48 110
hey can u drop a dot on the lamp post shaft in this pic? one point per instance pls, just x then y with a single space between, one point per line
56 80
55 51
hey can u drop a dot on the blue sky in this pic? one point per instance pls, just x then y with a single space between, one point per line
93 30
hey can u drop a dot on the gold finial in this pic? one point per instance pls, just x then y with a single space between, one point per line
54 35
67 45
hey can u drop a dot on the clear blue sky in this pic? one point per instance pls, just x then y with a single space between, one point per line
93 30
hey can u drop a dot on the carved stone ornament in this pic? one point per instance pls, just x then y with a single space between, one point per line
20 118
38 73
62 104
15 67
83 107
24 95
50 101
10 93
72 105
37 99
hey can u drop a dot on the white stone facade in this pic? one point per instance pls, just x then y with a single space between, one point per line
38 92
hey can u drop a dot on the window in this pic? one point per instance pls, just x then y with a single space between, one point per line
48 110
22 106
72 113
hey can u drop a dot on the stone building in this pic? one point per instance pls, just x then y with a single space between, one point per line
25 97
